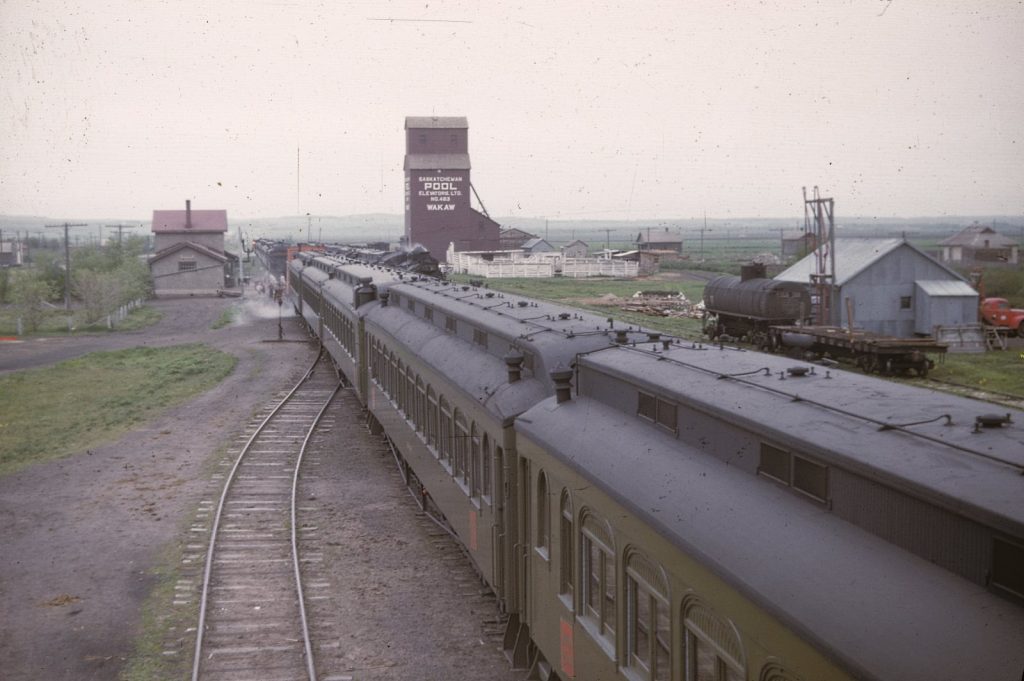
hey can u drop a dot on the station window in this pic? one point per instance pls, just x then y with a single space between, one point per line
711 646
905 302
648 634
597 581
1008 566
187 266
793 470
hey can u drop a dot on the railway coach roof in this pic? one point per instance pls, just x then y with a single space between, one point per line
877 610
481 375
881 429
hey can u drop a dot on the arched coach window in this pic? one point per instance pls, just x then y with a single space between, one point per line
597 579
475 463
447 432
566 547
432 417
420 418
774 671
648 635
486 469
461 447
543 524
711 644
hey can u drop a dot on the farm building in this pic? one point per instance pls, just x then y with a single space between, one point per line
513 238
190 259
892 288
537 245
576 249
658 240
980 243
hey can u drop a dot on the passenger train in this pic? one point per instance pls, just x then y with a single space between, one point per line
646 508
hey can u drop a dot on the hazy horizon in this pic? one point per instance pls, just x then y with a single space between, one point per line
617 111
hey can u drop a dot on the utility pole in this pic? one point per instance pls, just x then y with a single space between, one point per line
67 263
120 229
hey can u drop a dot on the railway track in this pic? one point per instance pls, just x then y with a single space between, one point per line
252 612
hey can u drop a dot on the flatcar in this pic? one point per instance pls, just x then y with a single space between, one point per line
645 508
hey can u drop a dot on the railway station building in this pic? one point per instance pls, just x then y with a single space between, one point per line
438 188
190 259
891 288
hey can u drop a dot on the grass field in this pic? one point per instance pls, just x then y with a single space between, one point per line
52 412
56 322
999 371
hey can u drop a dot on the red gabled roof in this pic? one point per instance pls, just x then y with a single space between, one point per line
202 221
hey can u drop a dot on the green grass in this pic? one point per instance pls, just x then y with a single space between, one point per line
994 371
56 322
226 317
582 293
50 413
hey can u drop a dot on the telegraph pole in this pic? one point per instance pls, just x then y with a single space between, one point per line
67 263
120 229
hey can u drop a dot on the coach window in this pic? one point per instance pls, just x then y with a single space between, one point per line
411 393
647 619
1008 566
712 645
802 474
476 467
428 314
566 547
421 406
486 472
446 432
432 416
461 440
597 579
543 523
451 325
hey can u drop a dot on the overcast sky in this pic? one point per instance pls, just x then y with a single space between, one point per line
604 110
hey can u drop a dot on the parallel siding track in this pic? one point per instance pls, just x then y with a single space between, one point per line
252 613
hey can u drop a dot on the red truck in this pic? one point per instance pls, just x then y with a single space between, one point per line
997 312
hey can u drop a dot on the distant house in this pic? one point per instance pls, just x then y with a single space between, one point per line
512 238
892 288
12 253
190 259
980 243
658 240
576 249
537 245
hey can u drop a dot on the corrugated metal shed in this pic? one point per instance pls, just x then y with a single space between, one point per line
852 257
947 288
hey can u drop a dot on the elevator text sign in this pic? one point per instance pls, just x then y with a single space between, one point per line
440 192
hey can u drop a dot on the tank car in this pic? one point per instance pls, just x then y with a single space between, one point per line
746 306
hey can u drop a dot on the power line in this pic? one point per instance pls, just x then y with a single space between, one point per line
67 263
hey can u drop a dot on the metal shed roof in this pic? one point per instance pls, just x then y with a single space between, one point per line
943 288
975 236
852 257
